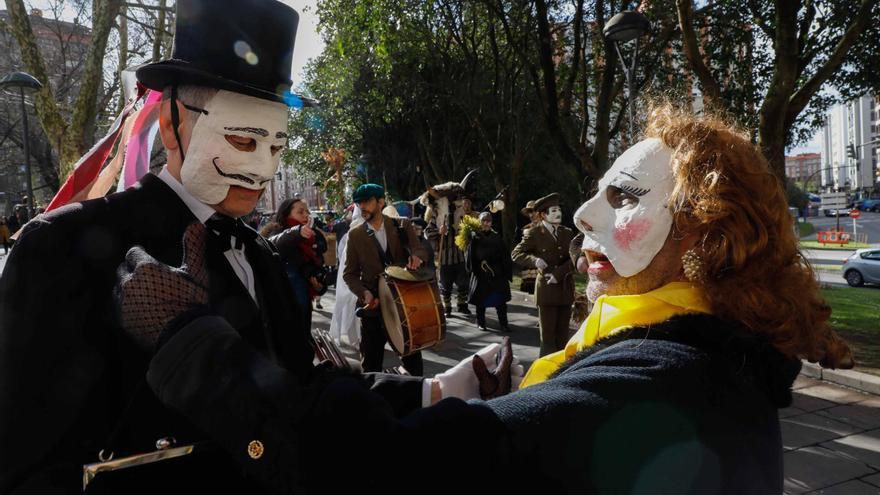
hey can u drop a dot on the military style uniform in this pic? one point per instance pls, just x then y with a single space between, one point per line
552 299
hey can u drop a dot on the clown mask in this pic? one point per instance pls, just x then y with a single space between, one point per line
628 219
554 215
236 143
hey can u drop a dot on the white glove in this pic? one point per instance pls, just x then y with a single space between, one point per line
460 381
540 264
552 280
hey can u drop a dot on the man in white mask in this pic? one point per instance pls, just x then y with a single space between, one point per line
545 248
223 123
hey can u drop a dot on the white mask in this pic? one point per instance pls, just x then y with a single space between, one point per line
554 215
212 164
633 232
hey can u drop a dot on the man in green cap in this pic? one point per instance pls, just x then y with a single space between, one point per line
375 244
545 248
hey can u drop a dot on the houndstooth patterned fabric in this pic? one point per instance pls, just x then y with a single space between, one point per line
151 294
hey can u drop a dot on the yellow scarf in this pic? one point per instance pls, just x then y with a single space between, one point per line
612 314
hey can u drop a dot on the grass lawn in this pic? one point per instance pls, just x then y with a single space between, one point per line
855 314
852 246
828 268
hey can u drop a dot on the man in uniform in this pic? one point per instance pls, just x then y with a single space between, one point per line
545 248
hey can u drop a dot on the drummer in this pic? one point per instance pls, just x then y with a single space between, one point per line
375 244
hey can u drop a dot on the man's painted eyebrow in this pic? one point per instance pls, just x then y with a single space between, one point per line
281 135
633 177
253 130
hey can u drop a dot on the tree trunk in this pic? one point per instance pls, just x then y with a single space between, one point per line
159 32
70 140
77 141
123 54
47 111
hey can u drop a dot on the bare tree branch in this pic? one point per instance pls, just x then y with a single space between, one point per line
802 97
710 87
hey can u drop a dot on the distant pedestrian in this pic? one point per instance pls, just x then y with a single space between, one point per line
4 235
13 223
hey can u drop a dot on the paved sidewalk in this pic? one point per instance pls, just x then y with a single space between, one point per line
831 434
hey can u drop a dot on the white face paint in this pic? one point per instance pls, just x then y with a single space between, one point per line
213 164
554 215
628 216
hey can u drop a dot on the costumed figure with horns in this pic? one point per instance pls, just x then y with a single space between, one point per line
672 385
544 247
446 204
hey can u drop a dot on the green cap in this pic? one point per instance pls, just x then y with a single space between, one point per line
367 191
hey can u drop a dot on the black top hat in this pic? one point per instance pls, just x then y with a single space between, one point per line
245 46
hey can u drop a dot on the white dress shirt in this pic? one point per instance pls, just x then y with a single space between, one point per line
236 257
381 236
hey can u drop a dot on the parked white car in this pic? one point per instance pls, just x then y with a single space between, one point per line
862 267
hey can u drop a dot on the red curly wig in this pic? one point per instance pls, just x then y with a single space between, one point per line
753 272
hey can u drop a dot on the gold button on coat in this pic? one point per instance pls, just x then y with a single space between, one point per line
255 449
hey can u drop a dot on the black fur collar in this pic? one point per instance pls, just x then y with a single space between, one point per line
739 357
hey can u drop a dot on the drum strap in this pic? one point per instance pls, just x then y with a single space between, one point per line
401 234
384 255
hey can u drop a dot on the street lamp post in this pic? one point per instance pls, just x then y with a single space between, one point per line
24 81
621 28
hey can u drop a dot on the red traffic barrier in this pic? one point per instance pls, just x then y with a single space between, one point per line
833 237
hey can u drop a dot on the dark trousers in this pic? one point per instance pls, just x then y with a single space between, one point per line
501 309
454 274
373 339
554 322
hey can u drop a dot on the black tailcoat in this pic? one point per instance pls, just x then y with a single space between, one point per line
68 372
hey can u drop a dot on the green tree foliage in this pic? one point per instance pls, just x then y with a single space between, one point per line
777 65
418 93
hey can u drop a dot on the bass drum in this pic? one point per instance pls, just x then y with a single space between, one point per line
412 312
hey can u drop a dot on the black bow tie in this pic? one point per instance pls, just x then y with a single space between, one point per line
227 228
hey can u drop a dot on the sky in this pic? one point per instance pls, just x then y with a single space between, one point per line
812 146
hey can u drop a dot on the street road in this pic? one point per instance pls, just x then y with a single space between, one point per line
867 223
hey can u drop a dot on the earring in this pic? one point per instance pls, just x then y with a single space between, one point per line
693 267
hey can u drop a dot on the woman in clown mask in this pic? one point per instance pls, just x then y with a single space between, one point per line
672 385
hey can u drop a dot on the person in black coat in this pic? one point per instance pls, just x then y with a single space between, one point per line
302 251
491 269
671 385
72 387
